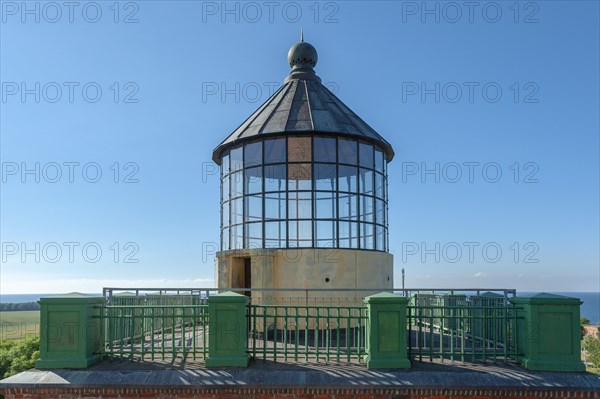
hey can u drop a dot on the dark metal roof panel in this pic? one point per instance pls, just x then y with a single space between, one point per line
303 106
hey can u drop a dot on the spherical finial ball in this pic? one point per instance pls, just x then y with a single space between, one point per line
302 55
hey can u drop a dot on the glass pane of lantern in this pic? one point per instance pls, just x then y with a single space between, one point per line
225 214
275 234
225 239
236 158
366 155
347 178
379 210
348 234
366 236
378 160
253 155
366 181
347 151
253 180
275 206
275 151
236 209
300 176
253 211
366 209
236 236
225 188
325 205
325 177
299 205
237 184
325 234
253 235
379 239
275 178
324 149
300 233
348 206
379 185
225 164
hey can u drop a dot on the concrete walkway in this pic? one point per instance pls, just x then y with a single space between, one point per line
273 375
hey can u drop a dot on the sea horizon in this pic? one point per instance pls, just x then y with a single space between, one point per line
590 307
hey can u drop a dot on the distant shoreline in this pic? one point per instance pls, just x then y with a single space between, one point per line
589 309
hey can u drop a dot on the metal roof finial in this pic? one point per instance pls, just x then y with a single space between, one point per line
301 34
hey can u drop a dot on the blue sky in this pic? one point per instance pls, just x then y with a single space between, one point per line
141 92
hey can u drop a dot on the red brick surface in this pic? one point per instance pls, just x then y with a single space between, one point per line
295 393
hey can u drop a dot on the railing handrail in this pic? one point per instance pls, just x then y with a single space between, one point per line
109 291
303 289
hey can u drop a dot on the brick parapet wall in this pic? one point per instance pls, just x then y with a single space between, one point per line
292 393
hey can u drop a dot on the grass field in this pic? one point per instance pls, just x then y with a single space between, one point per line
17 325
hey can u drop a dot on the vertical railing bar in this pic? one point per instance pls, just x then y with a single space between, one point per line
327 334
454 323
264 334
472 320
339 327
275 334
408 334
122 331
253 329
194 332
296 336
462 333
505 325
162 332
485 323
285 332
317 332
420 337
431 334
152 332
495 327
131 333
306 330
442 333
143 334
173 355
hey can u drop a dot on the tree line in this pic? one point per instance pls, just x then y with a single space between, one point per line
17 307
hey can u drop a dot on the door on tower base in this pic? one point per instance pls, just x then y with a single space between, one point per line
241 274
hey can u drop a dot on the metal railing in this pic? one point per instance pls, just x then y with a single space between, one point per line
302 325
299 296
464 328
141 330
307 333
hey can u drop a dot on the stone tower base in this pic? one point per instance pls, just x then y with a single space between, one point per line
325 276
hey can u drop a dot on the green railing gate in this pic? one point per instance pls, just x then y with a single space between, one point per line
463 328
307 333
156 327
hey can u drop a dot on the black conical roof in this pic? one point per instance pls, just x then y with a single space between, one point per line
303 105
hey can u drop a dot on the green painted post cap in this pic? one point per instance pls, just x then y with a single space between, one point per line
489 294
546 298
228 296
385 297
71 298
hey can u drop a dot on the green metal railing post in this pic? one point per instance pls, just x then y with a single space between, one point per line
228 330
71 331
386 331
549 333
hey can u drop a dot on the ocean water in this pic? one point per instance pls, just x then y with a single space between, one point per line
590 307
591 304
21 298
